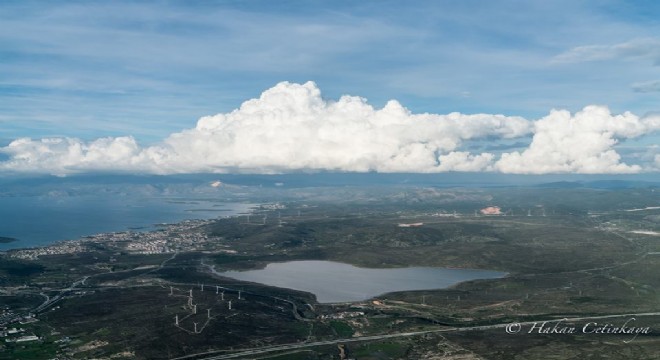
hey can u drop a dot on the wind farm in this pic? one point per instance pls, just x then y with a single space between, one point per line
187 305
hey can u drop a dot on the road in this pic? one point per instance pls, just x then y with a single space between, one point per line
50 301
296 346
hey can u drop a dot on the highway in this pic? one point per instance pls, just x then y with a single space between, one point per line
295 346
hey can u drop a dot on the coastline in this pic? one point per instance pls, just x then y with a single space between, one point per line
52 223
159 238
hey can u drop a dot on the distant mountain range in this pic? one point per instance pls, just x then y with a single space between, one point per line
200 183
600 184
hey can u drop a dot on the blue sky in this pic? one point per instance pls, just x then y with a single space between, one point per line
90 69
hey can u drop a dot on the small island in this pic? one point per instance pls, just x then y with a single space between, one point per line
6 240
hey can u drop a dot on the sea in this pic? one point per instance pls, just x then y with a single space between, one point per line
42 220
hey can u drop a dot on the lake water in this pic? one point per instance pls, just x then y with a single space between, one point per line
41 220
337 282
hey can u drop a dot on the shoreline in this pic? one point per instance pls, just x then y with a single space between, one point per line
235 209
159 238
81 244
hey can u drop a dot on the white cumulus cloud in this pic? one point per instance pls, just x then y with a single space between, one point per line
464 161
291 127
581 143
65 155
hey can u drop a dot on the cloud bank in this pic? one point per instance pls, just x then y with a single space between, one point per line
291 127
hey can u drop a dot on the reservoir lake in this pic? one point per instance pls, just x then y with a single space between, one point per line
334 282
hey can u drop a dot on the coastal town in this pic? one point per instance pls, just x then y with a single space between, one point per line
169 238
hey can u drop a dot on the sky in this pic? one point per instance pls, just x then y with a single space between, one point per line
533 87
